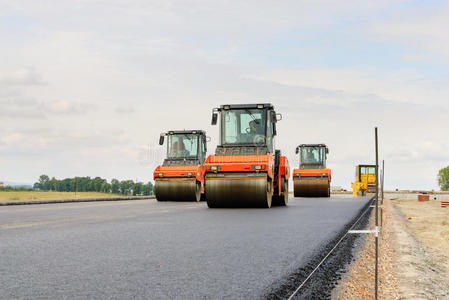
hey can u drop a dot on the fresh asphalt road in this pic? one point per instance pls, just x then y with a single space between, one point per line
149 250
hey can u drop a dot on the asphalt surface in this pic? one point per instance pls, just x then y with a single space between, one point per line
150 250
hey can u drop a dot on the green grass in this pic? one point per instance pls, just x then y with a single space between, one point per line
38 195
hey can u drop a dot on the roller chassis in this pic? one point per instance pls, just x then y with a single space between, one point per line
179 182
311 182
236 183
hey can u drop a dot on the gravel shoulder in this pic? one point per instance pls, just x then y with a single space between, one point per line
413 257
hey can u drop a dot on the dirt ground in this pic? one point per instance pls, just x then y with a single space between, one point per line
423 248
413 255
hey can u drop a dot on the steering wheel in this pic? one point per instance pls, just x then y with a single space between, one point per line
248 130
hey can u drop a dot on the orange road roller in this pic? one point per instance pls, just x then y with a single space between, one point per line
181 176
312 179
246 171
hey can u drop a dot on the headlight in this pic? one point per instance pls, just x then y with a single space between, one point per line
188 174
215 168
161 174
256 167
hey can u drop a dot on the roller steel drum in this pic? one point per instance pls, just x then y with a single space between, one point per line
311 187
177 189
238 190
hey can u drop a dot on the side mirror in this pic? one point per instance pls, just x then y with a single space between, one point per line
278 117
161 139
327 150
214 118
208 139
297 150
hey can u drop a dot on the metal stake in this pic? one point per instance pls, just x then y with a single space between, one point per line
377 213
382 194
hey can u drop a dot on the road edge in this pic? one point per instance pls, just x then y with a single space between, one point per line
54 201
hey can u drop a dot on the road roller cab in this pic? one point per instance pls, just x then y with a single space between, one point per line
181 176
246 171
312 178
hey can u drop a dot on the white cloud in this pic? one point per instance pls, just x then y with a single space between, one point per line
23 76
403 85
65 107
124 110
18 107
12 139
420 28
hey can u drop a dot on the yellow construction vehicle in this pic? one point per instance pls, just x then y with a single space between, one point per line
365 180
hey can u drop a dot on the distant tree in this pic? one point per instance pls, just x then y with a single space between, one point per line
126 187
53 184
43 183
105 187
84 184
137 189
65 185
97 182
115 186
147 189
443 179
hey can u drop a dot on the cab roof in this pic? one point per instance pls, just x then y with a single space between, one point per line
246 106
312 145
199 132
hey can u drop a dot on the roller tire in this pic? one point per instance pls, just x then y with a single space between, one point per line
283 199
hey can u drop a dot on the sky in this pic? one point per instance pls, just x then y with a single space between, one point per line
86 87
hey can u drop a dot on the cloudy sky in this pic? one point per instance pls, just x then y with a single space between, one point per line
87 86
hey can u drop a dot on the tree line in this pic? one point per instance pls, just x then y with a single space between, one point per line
15 189
97 184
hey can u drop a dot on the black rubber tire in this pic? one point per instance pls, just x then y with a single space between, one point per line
283 199
198 191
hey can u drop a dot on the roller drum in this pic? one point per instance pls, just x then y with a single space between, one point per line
314 187
238 190
177 190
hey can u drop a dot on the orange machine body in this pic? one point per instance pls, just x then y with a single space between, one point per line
180 173
318 173
248 164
